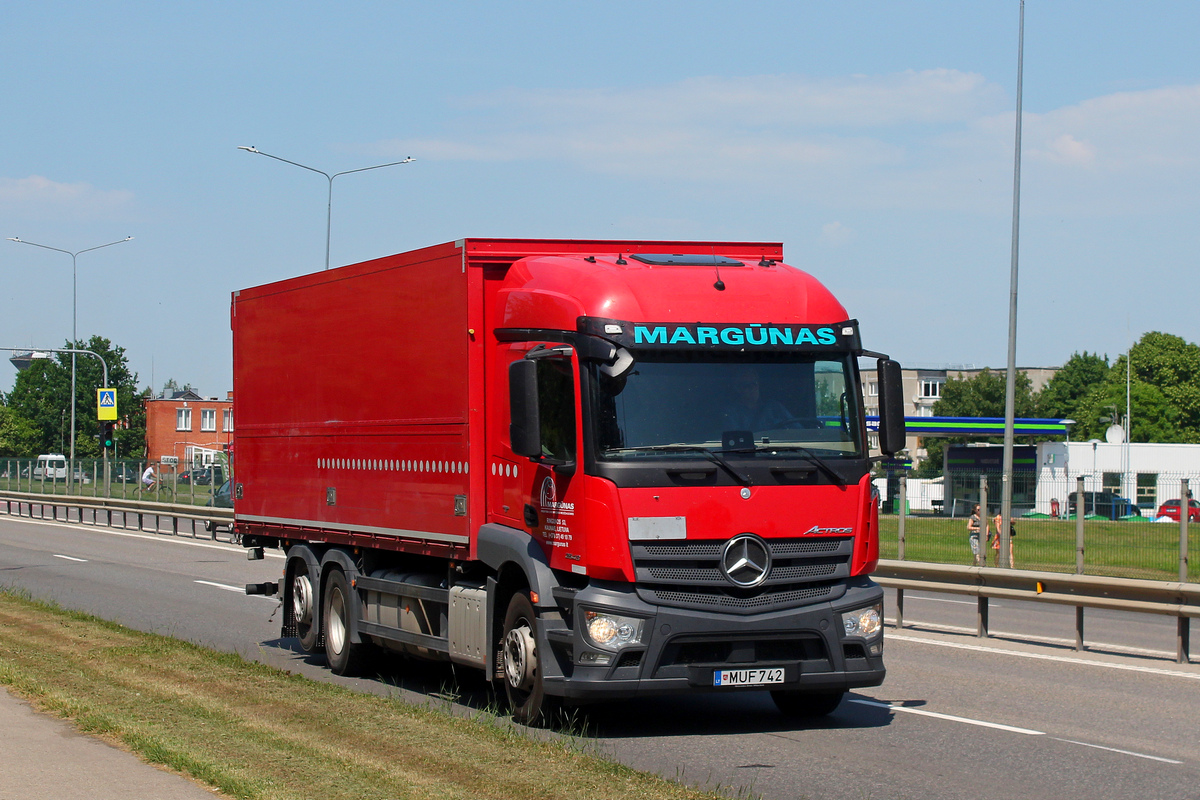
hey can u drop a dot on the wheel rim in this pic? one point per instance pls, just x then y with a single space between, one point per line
520 657
335 636
302 599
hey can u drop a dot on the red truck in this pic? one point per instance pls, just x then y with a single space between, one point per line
591 469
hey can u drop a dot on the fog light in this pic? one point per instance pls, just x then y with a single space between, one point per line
612 631
598 659
863 622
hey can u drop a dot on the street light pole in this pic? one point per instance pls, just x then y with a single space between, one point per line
328 177
1011 378
74 326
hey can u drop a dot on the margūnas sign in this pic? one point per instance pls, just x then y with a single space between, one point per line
725 336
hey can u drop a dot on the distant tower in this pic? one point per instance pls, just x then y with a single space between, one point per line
22 360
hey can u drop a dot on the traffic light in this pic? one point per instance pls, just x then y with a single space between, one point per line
107 439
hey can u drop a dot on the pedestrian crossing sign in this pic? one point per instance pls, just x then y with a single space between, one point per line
106 404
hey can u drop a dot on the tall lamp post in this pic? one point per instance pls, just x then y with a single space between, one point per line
328 177
74 323
1011 375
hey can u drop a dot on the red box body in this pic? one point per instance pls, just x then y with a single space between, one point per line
372 402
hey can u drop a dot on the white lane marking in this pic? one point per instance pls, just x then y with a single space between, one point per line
162 537
238 589
1044 657
1122 752
70 558
225 586
935 715
1009 728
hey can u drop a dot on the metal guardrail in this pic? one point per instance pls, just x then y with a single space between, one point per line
115 512
1168 598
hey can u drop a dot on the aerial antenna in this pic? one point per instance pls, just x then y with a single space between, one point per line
720 284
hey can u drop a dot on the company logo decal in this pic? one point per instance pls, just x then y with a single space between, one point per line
735 336
549 497
816 529
746 560
556 528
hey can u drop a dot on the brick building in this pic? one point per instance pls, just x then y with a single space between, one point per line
189 427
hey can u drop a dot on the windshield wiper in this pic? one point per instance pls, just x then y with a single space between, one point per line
811 456
711 455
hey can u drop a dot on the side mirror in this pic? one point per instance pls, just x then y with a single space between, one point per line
891 407
524 428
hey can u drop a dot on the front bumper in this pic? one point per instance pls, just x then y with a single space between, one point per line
681 648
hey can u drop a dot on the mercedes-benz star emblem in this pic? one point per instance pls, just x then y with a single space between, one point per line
746 560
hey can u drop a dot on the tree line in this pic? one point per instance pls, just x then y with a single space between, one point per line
35 417
1164 396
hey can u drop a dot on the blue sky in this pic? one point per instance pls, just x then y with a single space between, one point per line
874 139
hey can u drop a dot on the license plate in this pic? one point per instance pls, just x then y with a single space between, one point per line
747 677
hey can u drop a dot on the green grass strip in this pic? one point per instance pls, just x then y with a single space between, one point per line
253 731
1116 549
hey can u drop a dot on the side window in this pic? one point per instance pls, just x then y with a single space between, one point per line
556 408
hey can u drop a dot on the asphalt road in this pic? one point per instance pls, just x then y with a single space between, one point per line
1017 715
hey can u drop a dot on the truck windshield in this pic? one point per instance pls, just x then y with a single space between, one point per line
671 404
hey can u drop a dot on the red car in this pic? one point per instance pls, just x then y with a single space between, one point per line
1171 509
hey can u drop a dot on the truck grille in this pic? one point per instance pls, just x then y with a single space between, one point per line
688 575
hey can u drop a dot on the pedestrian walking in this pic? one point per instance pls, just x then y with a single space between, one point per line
1012 534
973 527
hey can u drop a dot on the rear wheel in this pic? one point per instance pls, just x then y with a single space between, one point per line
523 684
304 611
806 704
345 657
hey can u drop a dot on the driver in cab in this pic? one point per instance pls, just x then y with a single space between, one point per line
748 411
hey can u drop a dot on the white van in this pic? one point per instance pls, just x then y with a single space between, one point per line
52 467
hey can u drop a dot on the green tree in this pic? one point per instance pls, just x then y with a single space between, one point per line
41 395
980 396
18 437
1164 387
1060 398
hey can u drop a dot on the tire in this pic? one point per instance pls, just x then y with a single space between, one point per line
304 610
339 603
523 684
806 704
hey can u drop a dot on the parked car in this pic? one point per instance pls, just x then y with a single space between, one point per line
1171 509
1103 504
123 473
197 477
79 476
221 498
51 467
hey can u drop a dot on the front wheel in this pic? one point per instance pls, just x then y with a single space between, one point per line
806 704
523 674
304 611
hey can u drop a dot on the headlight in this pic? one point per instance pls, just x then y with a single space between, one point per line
611 631
863 622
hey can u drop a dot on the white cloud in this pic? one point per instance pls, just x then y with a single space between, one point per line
936 140
835 234
38 194
692 128
1066 149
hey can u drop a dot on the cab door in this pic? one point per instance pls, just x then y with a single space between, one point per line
537 473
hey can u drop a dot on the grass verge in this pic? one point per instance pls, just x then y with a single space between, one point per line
1129 549
253 731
